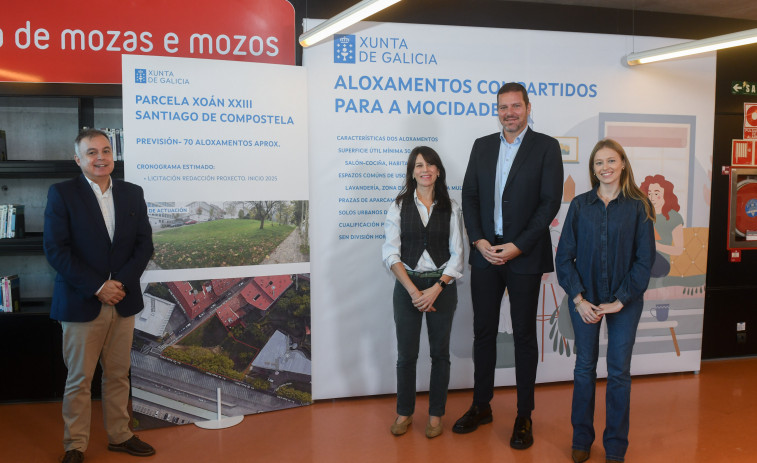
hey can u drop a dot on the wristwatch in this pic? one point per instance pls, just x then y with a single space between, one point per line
441 283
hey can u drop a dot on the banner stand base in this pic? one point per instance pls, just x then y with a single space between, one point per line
221 422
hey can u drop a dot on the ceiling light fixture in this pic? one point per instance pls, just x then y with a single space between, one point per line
691 48
346 18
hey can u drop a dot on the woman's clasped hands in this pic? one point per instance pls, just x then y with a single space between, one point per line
424 300
591 313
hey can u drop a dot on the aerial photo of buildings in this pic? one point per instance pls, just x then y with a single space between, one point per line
249 336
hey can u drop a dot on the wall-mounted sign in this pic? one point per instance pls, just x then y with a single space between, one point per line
742 87
46 41
742 153
750 115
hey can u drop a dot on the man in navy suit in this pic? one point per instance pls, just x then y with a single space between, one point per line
511 192
98 238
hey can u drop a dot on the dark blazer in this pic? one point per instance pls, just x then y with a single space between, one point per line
77 246
529 203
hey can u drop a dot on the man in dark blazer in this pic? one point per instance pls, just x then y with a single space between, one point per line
98 238
511 193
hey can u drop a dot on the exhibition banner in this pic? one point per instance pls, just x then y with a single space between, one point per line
220 149
83 43
377 90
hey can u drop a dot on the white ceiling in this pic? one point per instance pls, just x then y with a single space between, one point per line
739 9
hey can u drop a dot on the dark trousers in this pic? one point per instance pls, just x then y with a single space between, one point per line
408 321
487 288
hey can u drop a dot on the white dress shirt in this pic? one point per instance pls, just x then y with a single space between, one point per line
105 200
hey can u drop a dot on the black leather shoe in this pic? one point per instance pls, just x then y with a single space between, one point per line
73 456
133 446
579 456
523 437
473 417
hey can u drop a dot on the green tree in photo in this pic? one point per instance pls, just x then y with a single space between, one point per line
263 210
204 359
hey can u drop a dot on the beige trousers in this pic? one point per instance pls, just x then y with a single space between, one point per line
107 338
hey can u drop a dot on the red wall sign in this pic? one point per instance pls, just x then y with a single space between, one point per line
742 153
82 42
750 115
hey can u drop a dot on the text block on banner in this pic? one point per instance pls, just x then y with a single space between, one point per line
742 153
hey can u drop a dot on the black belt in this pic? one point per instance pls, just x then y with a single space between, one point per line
499 239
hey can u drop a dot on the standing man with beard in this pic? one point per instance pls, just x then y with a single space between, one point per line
511 193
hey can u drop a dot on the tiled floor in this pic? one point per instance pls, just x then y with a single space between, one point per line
682 418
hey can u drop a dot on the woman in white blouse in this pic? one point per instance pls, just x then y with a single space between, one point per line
424 250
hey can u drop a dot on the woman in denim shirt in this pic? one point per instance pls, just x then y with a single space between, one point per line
603 263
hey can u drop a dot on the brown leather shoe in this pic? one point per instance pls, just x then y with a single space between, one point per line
579 456
433 431
133 446
73 456
399 429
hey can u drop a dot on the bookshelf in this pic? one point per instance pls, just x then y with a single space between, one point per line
41 121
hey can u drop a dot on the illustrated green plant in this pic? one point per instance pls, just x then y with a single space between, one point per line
562 330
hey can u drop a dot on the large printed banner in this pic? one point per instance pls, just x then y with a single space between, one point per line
378 90
221 153
83 43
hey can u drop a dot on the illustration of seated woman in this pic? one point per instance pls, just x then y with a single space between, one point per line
680 258
669 224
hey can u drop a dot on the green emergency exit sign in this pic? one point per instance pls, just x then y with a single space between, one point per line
742 87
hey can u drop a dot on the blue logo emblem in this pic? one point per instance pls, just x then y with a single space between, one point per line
140 76
344 48
751 207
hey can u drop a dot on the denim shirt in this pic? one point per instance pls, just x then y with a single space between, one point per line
606 253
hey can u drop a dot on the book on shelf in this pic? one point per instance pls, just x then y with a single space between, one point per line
3 219
11 293
118 146
12 221
3 147
121 145
19 221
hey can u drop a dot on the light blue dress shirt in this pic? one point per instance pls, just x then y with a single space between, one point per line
507 153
